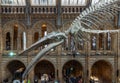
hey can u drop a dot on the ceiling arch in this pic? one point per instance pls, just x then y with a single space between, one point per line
94 2
13 2
73 2
43 2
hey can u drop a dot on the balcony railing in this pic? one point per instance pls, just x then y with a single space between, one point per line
13 10
41 10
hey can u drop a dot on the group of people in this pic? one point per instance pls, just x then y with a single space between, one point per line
44 78
73 79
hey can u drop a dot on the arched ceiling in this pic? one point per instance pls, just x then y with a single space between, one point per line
73 2
95 1
49 2
43 2
13 2
98 1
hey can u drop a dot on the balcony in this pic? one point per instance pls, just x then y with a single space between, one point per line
13 10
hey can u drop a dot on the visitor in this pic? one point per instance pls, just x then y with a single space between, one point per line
72 79
42 79
35 79
91 81
79 79
5 80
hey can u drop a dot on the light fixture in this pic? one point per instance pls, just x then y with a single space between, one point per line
12 54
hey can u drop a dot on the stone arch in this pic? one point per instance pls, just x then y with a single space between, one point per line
72 67
102 71
37 28
73 60
102 59
44 67
18 62
14 70
9 27
38 25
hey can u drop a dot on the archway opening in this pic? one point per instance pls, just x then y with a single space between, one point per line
44 70
16 69
36 36
101 71
15 36
8 42
72 69
44 30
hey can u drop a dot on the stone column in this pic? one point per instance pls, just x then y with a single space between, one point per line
59 66
118 57
24 40
87 61
115 70
29 37
1 47
19 42
97 42
59 48
29 56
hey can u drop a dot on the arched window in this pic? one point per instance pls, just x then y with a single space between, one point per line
108 41
44 30
15 36
8 41
21 38
101 41
72 44
44 33
80 44
36 37
65 44
93 43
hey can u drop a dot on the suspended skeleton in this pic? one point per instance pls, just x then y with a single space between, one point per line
89 21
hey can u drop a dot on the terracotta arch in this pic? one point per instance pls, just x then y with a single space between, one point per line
13 70
14 65
44 67
72 67
8 25
50 26
102 71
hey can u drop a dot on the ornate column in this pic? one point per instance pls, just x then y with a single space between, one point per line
105 38
58 20
117 57
29 38
116 47
118 20
29 55
24 40
59 48
1 48
59 64
87 61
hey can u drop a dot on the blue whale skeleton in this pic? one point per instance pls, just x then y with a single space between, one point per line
89 21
